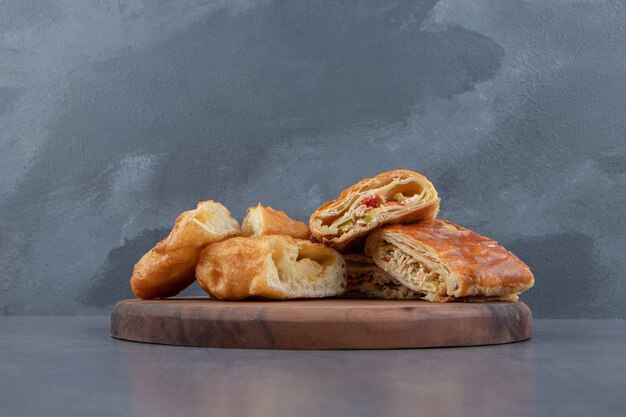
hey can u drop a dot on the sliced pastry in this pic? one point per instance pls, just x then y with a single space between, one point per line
168 268
274 267
366 280
398 196
446 262
262 221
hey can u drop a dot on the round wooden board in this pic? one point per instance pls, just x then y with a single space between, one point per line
319 324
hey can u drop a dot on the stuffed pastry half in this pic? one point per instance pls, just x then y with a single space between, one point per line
168 268
398 196
274 267
261 221
366 280
447 262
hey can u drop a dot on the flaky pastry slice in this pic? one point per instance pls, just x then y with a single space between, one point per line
446 262
274 267
367 280
262 221
399 196
168 268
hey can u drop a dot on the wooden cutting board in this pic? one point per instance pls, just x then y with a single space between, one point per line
319 324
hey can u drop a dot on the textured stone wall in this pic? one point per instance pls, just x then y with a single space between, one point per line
117 115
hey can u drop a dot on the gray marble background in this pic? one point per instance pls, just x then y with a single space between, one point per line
117 115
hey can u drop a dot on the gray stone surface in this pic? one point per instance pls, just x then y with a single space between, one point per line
69 366
117 115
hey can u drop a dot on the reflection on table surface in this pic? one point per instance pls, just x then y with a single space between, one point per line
165 381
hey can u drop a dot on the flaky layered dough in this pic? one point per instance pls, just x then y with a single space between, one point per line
447 262
262 221
274 267
367 280
168 268
398 196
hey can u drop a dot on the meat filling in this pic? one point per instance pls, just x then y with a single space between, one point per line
375 285
356 279
418 274
364 213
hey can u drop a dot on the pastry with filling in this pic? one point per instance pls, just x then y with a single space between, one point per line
169 267
366 280
273 267
447 262
399 196
262 221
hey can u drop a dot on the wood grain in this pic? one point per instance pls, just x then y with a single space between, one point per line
319 324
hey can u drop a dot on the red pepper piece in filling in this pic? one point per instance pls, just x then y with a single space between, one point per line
373 201
352 283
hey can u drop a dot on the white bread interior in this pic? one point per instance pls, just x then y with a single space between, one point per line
252 224
305 269
215 219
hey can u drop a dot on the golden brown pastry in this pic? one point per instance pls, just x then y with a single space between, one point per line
168 268
275 267
445 262
262 221
367 280
399 196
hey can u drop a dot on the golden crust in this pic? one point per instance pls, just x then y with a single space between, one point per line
274 267
424 205
262 221
476 265
168 268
